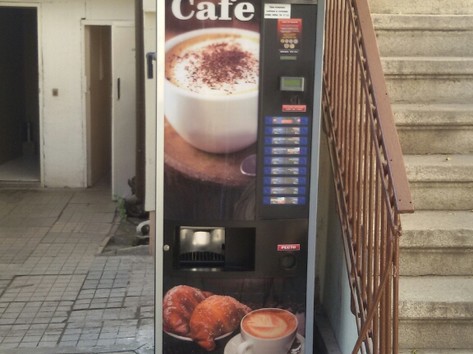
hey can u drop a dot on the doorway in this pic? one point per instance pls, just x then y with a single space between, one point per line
111 105
19 95
98 64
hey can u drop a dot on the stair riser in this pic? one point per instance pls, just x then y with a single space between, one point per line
436 262
397 43
442 196
435 140
422 6
427 89
442 334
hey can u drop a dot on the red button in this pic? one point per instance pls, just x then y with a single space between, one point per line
289 247
294 108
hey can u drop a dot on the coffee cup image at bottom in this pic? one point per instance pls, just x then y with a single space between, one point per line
211 88
267 331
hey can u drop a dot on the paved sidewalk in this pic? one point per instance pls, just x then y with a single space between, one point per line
58 293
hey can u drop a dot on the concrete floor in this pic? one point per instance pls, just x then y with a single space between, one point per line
58 292
23 169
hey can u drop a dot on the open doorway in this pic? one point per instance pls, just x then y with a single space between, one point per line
111 105
98 70
19 95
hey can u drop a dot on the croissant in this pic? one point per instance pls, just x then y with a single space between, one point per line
178 306
215 316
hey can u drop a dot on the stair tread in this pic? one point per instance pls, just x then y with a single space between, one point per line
439 168
435 106
438 220
422 58
422 7
436 297
427 65
437 288
434 114
423 22
438 229
436 351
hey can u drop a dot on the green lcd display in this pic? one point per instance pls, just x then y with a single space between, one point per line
292 83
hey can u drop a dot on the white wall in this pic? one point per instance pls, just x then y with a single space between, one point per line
63 122
61 67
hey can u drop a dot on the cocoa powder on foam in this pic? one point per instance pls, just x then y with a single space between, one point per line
220 65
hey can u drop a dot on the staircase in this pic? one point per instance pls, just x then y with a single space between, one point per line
427 54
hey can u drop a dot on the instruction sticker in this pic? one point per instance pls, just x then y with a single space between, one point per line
289 33
277 10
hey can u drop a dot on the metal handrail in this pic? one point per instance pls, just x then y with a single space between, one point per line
369 173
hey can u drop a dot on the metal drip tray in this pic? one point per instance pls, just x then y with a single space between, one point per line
202 259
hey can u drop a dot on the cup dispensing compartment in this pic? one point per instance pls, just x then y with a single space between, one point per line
215 248
201 247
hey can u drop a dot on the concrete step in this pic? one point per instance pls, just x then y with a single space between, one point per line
429 69
436 312
441 182
435 128
422 6
427 66
424 35
437 243
428 89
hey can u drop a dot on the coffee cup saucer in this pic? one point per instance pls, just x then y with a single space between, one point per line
232 345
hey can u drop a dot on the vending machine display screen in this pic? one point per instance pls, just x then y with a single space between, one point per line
292 83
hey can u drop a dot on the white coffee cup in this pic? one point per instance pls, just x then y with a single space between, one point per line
216 120
267 331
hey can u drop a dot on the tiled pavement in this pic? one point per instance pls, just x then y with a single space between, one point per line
58 293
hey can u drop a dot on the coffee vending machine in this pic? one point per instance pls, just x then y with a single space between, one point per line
239 112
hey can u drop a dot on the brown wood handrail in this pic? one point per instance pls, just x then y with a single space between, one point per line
383 105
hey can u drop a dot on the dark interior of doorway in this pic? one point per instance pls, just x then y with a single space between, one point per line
99 101
19 95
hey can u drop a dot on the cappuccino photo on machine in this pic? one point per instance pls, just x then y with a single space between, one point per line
212 78
212 69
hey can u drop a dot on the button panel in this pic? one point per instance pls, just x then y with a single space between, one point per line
285 172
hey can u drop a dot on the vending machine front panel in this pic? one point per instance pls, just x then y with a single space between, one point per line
238 121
